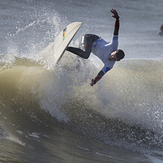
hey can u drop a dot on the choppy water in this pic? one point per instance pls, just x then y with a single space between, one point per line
51 114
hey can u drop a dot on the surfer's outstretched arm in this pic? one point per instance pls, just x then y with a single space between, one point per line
116 16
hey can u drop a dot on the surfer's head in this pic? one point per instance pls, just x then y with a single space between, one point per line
116 55
161 28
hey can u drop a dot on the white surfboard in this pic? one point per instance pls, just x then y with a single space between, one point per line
64 39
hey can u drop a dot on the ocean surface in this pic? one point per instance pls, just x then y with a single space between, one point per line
52 114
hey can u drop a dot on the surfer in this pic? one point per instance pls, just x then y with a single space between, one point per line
160 33
108 52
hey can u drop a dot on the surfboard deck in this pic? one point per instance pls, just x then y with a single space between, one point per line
64 39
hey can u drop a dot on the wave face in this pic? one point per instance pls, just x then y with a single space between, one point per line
124 108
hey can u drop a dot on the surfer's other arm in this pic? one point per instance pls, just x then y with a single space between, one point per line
116 16
97 78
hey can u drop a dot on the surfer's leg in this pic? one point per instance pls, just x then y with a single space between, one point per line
78 52
87 41
85 46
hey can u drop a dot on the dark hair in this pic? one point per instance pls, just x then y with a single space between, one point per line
120 54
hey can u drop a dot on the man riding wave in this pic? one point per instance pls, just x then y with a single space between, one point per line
108 52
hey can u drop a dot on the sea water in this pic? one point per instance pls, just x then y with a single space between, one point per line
52 114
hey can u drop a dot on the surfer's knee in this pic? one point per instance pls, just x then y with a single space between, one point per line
86 56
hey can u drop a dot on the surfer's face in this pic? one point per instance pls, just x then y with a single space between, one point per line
113 57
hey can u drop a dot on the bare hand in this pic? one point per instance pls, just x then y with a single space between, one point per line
115 14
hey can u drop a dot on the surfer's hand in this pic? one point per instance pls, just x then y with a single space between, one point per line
115 14
93 82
